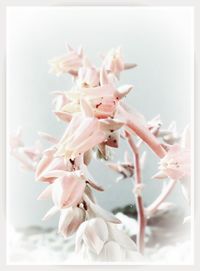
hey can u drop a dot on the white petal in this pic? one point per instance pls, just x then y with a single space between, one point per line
112 252
96 210
96 234
121 238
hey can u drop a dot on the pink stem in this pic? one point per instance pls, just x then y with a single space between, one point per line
148 138
138 196
163 195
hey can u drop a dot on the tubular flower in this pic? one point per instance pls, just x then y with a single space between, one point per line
67 189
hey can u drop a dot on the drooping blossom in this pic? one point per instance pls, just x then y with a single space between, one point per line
49 163
67 188
126 168
70 220
72 217
99 240
69 63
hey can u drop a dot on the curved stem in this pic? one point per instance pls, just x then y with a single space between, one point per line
138 195
163 195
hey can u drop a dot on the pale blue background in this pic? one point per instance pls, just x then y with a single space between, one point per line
159 40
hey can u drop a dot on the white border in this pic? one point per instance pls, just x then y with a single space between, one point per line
155 3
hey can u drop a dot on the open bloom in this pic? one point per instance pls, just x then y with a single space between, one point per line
70 63
175 164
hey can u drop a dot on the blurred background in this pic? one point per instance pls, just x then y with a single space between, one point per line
159 40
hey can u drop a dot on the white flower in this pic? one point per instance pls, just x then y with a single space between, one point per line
98 240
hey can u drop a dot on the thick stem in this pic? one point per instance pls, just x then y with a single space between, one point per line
135 125
163 195
138 196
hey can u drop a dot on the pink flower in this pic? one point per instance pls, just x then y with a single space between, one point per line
113 62
175 164
69 63
103 97
67 188
47 164
84 132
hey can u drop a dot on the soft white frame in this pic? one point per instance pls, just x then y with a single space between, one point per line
149 3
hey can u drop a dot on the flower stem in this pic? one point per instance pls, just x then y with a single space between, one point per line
138 195
163 195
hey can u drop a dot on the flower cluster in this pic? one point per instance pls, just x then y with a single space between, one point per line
96 118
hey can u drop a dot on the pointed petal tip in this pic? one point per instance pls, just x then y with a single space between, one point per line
159 175
128 66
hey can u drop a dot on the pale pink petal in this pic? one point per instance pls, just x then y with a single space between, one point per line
46 193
